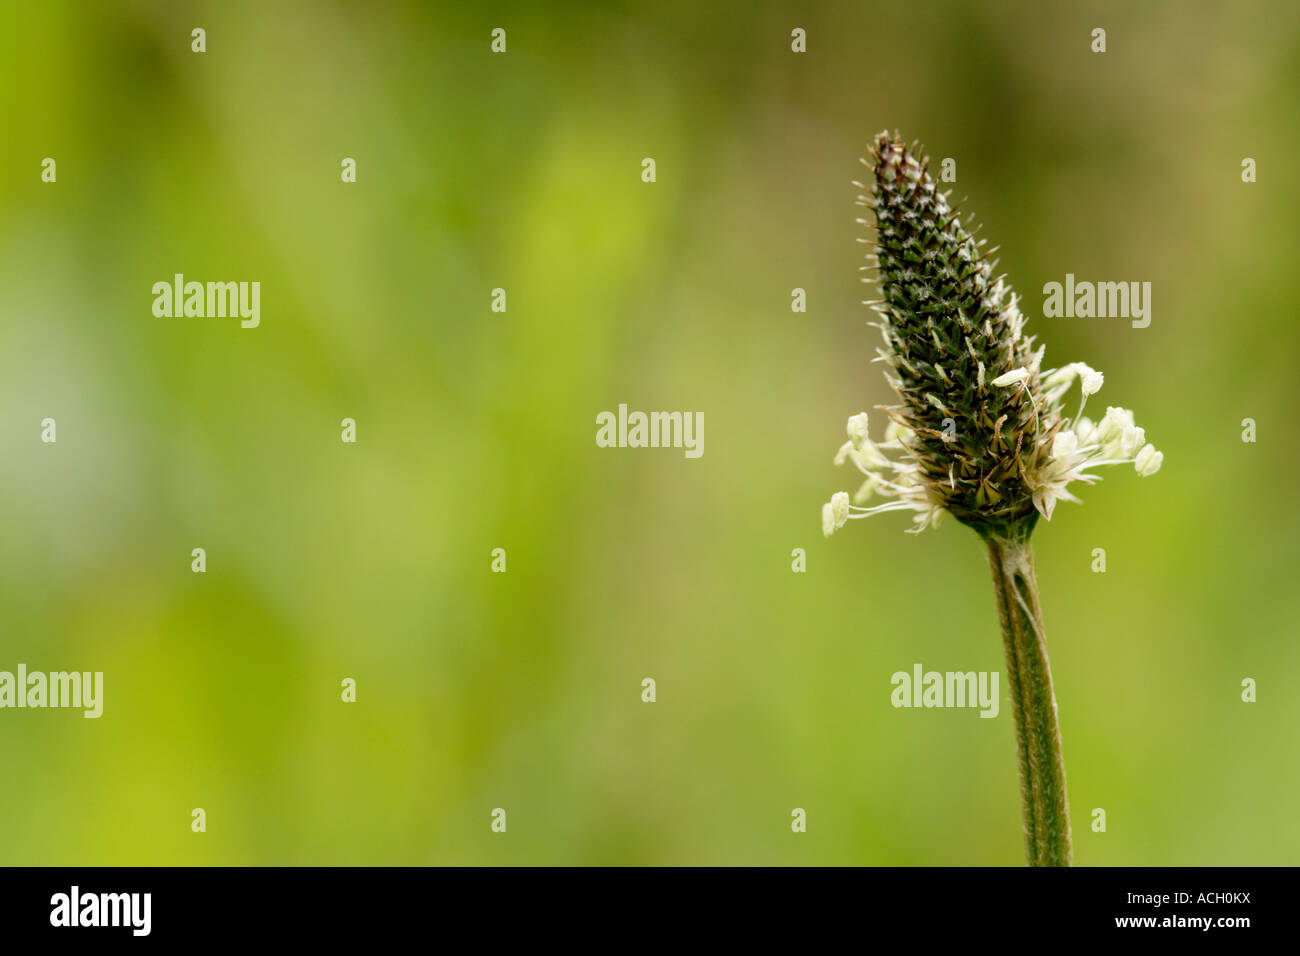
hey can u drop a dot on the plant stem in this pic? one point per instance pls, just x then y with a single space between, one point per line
1033 705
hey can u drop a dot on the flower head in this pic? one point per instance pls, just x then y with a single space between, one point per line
982 431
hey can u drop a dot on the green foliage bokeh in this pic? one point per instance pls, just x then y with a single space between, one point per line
522 690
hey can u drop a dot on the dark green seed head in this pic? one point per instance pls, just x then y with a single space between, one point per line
951 328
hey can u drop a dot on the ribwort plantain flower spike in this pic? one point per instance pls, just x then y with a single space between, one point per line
981 432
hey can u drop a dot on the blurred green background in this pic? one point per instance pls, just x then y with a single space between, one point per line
476 431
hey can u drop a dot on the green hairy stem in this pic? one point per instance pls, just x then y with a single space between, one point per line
1033 704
